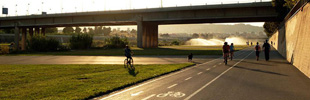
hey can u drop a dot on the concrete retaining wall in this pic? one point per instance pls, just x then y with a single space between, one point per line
293 40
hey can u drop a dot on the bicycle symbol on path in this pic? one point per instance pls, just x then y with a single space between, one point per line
171 94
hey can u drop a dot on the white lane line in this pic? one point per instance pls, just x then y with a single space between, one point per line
154 80
197 91
172 86
135 94
188 78
208 69
214 66
112 95
199 73
148 97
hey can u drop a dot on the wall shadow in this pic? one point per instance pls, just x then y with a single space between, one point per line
258 70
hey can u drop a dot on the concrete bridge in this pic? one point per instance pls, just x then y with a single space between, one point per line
147 20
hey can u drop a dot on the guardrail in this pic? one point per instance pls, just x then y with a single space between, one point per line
295 9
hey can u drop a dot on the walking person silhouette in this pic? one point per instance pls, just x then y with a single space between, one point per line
266 48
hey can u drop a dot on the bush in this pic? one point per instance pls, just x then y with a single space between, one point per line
116 42
175 42
81 41
41 43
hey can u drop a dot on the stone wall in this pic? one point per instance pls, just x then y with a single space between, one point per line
292 40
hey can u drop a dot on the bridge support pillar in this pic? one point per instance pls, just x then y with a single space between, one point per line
24 38
147 35
37 30
43 31
31 32
16 39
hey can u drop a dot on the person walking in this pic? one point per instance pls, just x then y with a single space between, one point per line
232 49
257 51
266 48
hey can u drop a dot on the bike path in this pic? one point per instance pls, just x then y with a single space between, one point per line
243 78
189 79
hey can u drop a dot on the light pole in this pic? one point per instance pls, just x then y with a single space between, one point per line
161 3
16 10
42 7
28 9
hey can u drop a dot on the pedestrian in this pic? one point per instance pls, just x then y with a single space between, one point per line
251 43
266 48
232 49
257 51
190 57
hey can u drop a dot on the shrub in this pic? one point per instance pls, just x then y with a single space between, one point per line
175 42
116 42
81 41
41 43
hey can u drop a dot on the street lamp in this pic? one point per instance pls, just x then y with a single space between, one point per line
16 10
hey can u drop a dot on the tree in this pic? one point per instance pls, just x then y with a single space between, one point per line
68 30
91 31
290 3
78 30
106 31
280 8
51 30
270 28
133 31
195 35
85 30
8 30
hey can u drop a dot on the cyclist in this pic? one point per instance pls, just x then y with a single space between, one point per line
128 53
257 50
225 51
232 49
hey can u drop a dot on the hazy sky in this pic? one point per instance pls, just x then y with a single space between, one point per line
27 7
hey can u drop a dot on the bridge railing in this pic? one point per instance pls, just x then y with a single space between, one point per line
296 8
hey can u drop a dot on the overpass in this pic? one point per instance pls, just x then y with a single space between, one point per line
147 20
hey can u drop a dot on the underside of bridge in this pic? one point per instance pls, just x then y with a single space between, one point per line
147 20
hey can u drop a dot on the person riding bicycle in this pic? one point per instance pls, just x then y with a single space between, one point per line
128 53
226 50
232 49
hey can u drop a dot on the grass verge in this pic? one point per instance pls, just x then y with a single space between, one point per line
58 82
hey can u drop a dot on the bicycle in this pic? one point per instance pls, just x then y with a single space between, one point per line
172 94
128 62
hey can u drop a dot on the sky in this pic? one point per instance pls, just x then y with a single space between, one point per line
28 7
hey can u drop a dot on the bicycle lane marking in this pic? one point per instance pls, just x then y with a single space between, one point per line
117 93
172 86
148 97
197 91
188 78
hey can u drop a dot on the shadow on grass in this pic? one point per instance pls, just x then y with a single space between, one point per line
132 71
131 84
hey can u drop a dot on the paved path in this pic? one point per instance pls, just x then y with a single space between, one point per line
99 59
244 78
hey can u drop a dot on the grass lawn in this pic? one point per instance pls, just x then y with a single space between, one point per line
60 82
162 50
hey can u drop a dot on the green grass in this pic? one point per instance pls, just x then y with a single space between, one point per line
162 50
59 82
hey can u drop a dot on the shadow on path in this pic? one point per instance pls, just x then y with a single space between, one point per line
256 63
258 70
